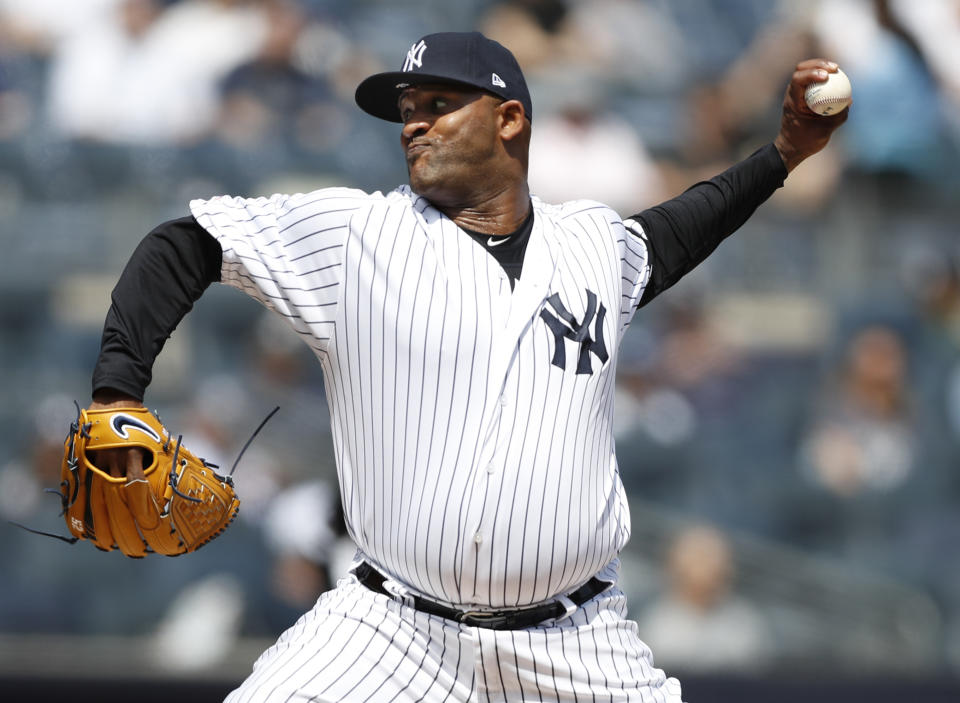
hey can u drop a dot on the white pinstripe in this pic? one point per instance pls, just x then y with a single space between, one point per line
473 469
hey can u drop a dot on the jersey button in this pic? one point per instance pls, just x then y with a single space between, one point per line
503 401
491 468
478 539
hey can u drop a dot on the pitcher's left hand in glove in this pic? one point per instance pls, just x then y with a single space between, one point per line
175 505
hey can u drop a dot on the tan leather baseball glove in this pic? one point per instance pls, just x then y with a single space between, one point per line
181 503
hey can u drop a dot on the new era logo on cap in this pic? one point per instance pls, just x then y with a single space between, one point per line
458 58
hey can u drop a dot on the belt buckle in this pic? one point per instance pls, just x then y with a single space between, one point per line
488 620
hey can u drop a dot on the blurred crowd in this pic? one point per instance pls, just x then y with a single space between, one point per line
801 388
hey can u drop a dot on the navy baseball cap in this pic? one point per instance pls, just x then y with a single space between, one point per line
460 58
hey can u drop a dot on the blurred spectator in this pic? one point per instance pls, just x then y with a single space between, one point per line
16 104
935 26
698 623
604 37
931 278
686 352
149 75
868 478
306 534
584 151
201 626
22 480
37 26
863 436
887 133
278 105
724 110
694 355
715 31
680 384
102 78
728 106
30 30
532 28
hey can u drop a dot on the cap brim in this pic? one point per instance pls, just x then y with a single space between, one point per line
378 94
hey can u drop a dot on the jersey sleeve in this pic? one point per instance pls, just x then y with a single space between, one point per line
634 269
286 251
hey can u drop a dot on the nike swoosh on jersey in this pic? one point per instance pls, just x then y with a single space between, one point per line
120 422
491 242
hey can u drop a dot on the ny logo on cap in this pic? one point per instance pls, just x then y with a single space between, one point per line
415 56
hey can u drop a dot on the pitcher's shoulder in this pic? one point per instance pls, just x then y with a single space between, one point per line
573 209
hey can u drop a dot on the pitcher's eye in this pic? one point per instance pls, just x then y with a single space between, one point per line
439 104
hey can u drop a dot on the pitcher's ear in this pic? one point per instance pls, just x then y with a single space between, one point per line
513 119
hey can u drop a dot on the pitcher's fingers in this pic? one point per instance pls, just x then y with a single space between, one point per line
108 461
135 460
824 64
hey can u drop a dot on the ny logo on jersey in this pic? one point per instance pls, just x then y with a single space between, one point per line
565 326
415 56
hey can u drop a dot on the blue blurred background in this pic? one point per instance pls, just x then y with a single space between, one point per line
788 416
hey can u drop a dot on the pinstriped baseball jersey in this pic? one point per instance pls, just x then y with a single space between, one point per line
472 424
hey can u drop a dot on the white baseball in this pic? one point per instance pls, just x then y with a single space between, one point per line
830 96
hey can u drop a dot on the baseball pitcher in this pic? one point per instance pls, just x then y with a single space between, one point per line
468 334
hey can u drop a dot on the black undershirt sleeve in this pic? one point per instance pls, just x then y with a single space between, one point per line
683 231
167 273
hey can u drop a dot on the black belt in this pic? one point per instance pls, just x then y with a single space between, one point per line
516 619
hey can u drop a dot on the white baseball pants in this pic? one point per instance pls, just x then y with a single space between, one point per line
357 645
